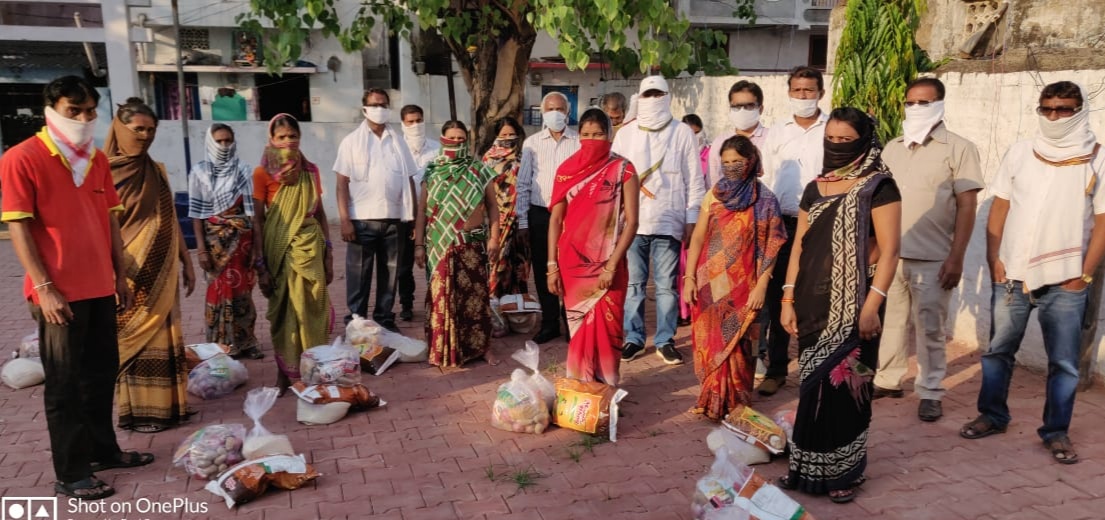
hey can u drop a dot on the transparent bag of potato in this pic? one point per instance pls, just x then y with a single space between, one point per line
216 377
530 357
519 406
336 364
211 450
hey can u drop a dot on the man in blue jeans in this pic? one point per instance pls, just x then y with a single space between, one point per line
1045 236
665 153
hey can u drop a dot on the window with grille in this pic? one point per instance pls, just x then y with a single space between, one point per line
193 38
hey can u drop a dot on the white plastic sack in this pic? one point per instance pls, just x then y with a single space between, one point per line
23 372
738 447
216 377
326 413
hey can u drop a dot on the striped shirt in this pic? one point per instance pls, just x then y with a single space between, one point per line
541 156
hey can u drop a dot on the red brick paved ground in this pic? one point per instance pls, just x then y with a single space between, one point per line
428 454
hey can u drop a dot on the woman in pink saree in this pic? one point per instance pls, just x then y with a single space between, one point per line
594 219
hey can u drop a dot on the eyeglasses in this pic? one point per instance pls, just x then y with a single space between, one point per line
920 103
1060 111
746 106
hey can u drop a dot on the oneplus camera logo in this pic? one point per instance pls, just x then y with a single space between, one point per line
33 508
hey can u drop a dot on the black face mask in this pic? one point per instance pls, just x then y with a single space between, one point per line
839 155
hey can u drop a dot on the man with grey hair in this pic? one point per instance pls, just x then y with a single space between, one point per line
542 154
614 105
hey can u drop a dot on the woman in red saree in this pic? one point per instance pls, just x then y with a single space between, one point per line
594 219
732 251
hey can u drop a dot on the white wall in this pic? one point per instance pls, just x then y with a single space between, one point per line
769 48
992 110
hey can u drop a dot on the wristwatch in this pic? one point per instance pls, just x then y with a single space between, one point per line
1087 278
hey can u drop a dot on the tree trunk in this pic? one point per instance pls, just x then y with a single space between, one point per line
495 75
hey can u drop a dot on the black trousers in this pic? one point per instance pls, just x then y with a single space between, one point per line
81 361
776 339
551 310
376 246
406 265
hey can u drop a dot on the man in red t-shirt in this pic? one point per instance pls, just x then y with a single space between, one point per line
59 203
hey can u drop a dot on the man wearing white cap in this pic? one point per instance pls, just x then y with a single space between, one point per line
666 156
1045 236
542 154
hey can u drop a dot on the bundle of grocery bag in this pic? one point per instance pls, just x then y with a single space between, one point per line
732 490
529 402
25 367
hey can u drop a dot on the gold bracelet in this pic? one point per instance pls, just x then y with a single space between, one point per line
787 300
550 273
605 270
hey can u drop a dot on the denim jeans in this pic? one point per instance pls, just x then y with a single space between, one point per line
1060 316
663 251
406 265
376 246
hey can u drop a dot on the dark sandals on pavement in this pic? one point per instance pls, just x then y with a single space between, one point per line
249 353
839 496
90 488
981 427
1062 450
126 459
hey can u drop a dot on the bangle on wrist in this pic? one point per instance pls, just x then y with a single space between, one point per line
605 270
43 284
787 300
550 263
878 291
788 286
550 273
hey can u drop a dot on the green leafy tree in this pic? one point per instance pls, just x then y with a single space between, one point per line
877 57
492 40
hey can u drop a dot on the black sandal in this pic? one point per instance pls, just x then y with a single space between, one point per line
1062 450
785 483
126 459
843 496
89 488
981 427
250 353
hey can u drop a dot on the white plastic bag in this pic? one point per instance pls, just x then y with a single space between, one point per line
216 377
731 487
366 334
741 450
530 357
336 364
325 413
28 348
259 441
23 372
361 331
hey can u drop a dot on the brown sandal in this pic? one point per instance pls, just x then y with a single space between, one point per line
981 427
1062 450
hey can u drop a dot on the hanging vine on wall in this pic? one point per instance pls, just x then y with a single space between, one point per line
877 57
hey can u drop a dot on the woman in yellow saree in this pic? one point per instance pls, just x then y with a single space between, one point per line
152 384
294 260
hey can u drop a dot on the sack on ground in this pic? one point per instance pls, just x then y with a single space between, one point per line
755 427
200 352
338 364
366 334
734 490
211 450
28 348
358 396
522 313
318 414
23 372
249 480
216 377
519 406
739 448
259 441
588 407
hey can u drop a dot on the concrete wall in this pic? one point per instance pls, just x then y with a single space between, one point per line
992 110
770 49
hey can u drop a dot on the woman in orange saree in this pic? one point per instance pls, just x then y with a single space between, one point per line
594 219
732 251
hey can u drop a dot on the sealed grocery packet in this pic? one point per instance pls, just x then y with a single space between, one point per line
588 407
768 502
358 395
376 359
249 480
756 428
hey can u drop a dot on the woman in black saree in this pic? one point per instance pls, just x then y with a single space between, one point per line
845 254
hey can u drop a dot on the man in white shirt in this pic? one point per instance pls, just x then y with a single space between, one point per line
1044 237
423 150
665 153
375 194
939 176
746 105
792 155
542 154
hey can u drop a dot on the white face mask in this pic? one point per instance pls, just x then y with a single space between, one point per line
803 107
555 121
920 120
744 119
654 112
78 133
378 115
415 132
1062 127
